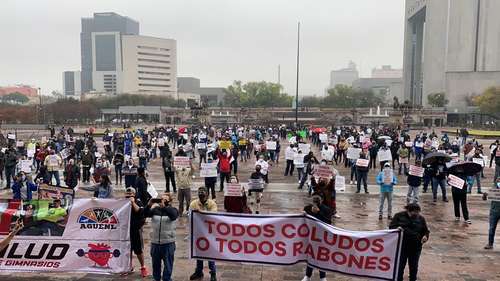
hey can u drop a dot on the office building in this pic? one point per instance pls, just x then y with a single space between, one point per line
387 87
211 96
344 76
386 71
451 47
72 85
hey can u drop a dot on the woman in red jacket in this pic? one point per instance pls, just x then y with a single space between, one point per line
224 166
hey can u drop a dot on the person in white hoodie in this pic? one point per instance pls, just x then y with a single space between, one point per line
264 167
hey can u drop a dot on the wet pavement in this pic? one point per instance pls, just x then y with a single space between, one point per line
454 251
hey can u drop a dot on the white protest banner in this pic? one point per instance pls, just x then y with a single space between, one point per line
362 162
182 162
416 171
353 153
455 181
19 144
479 161
304 147
91 236
322 171
323 137
384 155
233 190
25 165
340 183
208 170
201 145
161 142
288 239
11 136
298 159
270 145
255 184
408 144
403 160
31 152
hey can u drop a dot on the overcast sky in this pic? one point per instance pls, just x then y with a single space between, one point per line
218 41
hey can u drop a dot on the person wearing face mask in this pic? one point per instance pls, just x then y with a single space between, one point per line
23 188
163 223
71 174
184 180
289 156
130 173
478 158
87 161
168 171
386 179
415 234
309 161
103 188
203 204
236 204
210 182
494 195
53 162
264 168
118 160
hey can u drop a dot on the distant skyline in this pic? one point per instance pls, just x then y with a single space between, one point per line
218 40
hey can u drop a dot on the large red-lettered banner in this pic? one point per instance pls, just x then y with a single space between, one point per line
290 239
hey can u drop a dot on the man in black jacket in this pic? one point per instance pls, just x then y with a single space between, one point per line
413 185
137 221
10 165
141 185
168 171
415 234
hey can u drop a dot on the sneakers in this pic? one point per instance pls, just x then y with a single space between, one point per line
196 276
457 219
350 182
488 247
306 278
468 221
322 279
144 272
380 217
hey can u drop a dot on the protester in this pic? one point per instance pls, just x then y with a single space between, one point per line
4 243
168 171
141 185
87 161
71 174
413 185
210 182
362 173
23 188
386 179
459 195
224 167
439 174
236 204
103 189
10 165
494 196
203 204
264 168
415 234
163 223
289 157
130 173
118 161
184 184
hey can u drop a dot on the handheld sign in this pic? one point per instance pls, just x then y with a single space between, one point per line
182 162
416 171
323 137
11 136
225 145
479 161
233 190
255 184
322 171
25 166
384 155
340 183
408 144
362 162
270 145
388 176
403 160
208 170
455 181
353 153
304 147
19 144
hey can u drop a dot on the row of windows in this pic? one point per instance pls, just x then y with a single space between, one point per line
158 61
153 48
153 79
154 73
153 66
151 54
153 85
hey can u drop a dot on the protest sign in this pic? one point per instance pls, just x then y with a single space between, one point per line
44 139
338 132
270 145
65 153
403 160
25 166
334 141
255 184
497 153
201 145
152 190
388 176
408 144
384 155
66 195
233 190
304 147
225 144
185 136
416 171
362 162
479 161
419 144
188 147
31 152
208 170
323 137
161 142
289 239
298 159
90 236
353 153
11 136
322 171
327 154
340 183
455 181
19 143
182 162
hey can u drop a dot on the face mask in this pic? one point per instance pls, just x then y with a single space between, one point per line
498 184
234 181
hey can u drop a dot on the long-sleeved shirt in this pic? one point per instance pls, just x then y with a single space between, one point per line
163 223
384 186
414 229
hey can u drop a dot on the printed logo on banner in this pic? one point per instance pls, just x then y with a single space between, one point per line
97 218
99 253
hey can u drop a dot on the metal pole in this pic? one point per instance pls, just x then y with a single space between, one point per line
297 81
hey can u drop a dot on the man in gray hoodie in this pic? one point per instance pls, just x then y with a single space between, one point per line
163 223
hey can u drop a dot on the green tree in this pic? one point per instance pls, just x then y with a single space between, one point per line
489 101
346 97
313 101
15 97
437 99
256 94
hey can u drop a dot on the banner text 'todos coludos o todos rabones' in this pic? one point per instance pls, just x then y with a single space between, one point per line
289 239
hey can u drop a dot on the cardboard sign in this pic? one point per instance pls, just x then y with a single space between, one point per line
304 147
254 184
161 142
323 137
182 162
479 161
298 159
271 145
322 171
353 153
497 153
208 170
362 162
201 145
419 144
233 190
416 171
403 160
384 155
340 183
408 144
225 144
31 152
455 181
388 176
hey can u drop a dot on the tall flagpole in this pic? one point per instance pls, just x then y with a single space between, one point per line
297 81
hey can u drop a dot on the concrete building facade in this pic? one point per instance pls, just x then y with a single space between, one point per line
386 71
451 47
388 87
344 76
72 85
211 96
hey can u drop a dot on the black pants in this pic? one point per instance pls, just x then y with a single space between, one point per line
460 200
289 167
373 161
362 176
411 256
10 172
86 174
211 189
234 166
170 177
118 173
224 177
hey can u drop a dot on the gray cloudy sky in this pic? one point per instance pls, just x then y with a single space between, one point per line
218 40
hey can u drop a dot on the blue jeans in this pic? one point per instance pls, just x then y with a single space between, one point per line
199 266
162 253
143 163
494 218
475 178
56 175
435 183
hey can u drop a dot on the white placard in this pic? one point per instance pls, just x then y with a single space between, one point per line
161 142
403 160
19 144
152 190
65 153
254 184
322 171
11 136
353 153
270 145
408 144
298 159
479 161
304 147
362 162
233 190
25 165
340 183
208 170
182 162
455 181
416 171
388 176
201 145
31 152
384 155
323 137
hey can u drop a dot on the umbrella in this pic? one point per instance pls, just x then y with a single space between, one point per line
384 138
466 168
435 157
319 130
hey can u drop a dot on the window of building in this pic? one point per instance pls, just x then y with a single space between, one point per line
153 79
154 85
151 54
153 66
154 73
158 61
146 47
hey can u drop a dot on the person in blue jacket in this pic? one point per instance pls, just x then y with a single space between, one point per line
386 179
23 187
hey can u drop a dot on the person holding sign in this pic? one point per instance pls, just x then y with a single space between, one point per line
224 157
236 204
386 179
494 196
211 181
458 184
53 162
404 157
414 182
477 158
4 243
362 171
23 187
